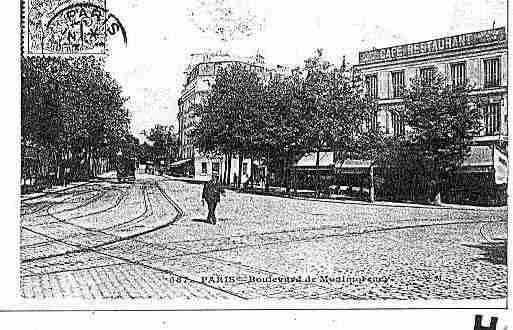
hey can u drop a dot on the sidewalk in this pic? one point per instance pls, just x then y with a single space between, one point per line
281 192
185 179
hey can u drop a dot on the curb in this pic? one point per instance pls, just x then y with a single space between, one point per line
376 204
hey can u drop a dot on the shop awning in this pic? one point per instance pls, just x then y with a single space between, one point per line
180 163
480 160
309 161
501 166
353 166
486 159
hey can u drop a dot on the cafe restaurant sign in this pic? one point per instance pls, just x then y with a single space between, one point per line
433 46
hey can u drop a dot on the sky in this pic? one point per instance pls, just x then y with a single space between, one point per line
162 35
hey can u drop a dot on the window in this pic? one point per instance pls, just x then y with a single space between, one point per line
458 74
492 117
397 84
204 168
398 124
388 122
426 74
215 168
371 83
383 121
245 169
492 73
372 122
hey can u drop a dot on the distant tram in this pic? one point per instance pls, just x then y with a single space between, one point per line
125 169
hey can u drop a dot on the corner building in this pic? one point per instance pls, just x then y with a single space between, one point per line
200 78
479 58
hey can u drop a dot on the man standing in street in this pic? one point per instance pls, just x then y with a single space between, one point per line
212 194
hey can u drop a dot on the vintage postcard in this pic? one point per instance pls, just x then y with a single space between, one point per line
243 154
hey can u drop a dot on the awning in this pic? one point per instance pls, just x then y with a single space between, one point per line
180 163
309 161
353 166
480 160
500 161
486 159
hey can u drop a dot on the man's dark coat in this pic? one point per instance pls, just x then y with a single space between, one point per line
212 192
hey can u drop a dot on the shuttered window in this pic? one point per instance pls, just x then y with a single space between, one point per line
492 72
458 74
372 122
492 117
371 83
397 84
426 74
398 124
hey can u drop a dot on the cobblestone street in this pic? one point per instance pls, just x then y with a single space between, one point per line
150 240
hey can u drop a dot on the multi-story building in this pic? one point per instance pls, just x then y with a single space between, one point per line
479 58
200 77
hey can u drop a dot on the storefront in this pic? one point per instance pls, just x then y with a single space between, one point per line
481 180
182 167
478 58
307 171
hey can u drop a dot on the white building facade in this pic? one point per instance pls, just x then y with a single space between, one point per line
479 58
200 77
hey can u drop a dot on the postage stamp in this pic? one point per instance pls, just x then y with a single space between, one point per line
264 154
69 27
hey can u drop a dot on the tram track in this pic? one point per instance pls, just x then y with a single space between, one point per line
100 193
47 204
330 290
120 253
118 201
91 232
96 249
86 203
117 238
273 242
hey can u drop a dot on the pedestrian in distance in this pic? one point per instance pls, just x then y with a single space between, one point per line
212 191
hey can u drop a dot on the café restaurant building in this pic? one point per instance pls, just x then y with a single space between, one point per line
479 58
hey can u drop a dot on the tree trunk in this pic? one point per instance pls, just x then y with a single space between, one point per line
252 174
283 173
267 173
288 171
317 172
295 180
229 169
438 199
223 176
436 192
371 185
239 175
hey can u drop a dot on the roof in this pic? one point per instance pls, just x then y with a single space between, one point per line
310 159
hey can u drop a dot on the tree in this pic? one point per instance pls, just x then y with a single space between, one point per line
228 120
164 142
335 106
73 108
442 120
285 126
